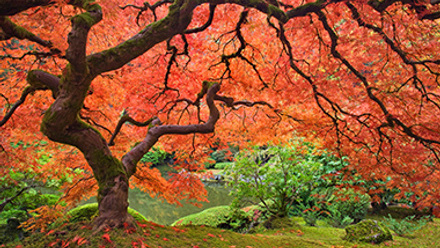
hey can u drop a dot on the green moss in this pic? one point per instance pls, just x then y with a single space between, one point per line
280 223
105 169
33 80
18 31
275 11
213 217
89 211
85 19
108 167
370 231
192 236
48 117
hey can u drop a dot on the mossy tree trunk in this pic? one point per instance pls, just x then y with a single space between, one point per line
62 124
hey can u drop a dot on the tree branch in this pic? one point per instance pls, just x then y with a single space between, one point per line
177 20
11 30
17 104
147 6
12 7
208 22
77 39
38 80
131 159
126 118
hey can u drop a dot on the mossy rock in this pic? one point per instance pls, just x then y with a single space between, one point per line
213 217
371 231
90 210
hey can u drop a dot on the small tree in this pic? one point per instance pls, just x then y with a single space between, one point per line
275 177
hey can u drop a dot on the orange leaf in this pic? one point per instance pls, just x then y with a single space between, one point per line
106 237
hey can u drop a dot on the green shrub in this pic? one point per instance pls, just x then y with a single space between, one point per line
350 203
311 214
406 226
156 157
90 210
219 156
222 165
337 218
275 175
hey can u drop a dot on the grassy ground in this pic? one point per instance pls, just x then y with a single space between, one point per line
153 235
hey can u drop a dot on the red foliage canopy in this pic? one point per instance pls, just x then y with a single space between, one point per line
359 77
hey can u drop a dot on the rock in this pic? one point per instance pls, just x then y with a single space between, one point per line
370 231
214 217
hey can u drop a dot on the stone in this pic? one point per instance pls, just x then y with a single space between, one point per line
371 231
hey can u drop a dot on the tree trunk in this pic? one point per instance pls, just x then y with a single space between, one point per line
112 196
112 179
113 189
62 124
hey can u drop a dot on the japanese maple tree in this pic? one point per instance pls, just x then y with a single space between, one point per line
361 77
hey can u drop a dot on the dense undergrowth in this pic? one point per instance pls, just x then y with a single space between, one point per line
148 234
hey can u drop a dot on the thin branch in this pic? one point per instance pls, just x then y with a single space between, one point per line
17 104
208 22
147 6
124 119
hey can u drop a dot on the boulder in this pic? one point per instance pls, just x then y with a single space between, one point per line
371 231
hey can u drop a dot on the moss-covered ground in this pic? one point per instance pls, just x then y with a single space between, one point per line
148 234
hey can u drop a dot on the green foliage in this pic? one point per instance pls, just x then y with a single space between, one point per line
23 193
157 157
88 211
277 174
346 206
220 157
326 178
337 218
222 165
20 193
311 214
406 226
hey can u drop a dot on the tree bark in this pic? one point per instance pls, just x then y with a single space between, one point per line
62 124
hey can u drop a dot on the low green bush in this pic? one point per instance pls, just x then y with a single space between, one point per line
276 174
311 214
406 226
337 218
221 165
347 206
